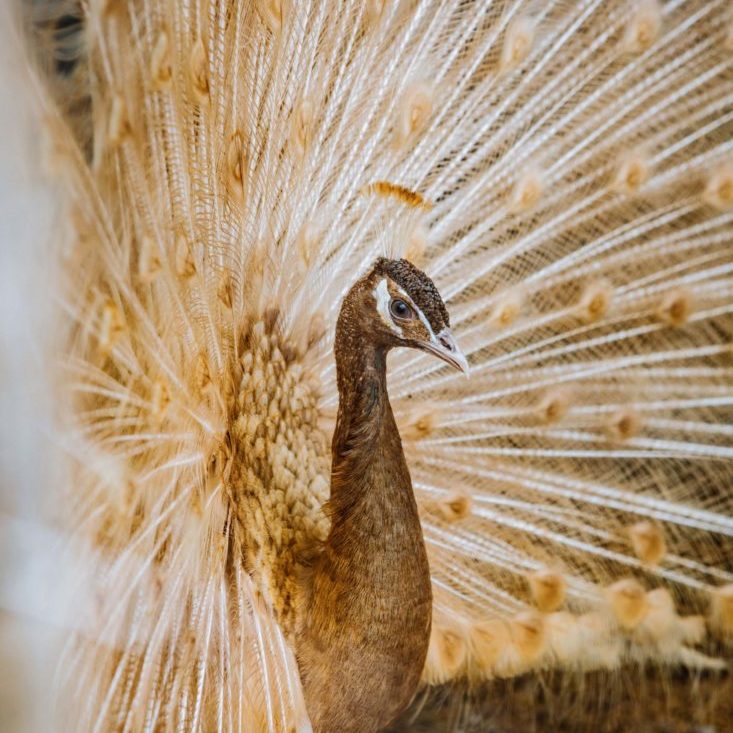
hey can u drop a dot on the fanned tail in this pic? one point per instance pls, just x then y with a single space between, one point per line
563 172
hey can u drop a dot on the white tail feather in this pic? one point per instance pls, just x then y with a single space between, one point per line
561 170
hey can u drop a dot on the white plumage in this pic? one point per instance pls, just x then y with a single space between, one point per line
563 171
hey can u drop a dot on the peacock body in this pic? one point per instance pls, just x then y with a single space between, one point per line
564 173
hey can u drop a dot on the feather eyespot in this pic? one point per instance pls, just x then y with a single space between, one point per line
400 310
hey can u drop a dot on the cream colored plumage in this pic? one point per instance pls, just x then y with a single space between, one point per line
563 171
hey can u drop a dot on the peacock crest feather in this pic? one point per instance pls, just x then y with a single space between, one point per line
563 171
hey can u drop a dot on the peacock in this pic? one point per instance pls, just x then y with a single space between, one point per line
265 516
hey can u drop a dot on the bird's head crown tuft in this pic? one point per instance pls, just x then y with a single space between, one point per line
419 287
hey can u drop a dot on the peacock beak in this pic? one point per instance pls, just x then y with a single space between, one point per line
444 346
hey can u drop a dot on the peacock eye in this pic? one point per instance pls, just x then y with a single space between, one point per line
399 309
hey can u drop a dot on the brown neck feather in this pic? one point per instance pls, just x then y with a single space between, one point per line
365 426
366 615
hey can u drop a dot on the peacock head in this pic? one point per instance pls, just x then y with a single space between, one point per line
399 305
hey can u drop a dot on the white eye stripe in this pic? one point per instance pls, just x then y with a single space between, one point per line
383 298
426 323
417 310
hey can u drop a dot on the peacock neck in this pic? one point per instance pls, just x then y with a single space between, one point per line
365 427
367 609
363 400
